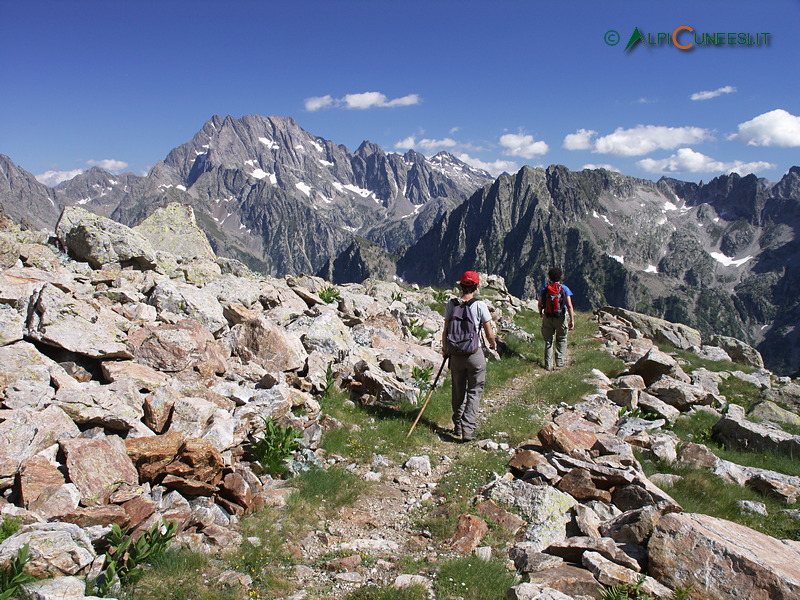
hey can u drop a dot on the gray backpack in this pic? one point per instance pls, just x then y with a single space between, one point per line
462 335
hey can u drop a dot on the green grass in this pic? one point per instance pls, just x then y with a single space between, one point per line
385 592
703 492
182 575
473 579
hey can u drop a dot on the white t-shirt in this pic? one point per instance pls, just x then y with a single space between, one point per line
477 310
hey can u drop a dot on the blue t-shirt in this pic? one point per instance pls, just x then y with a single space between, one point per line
567 291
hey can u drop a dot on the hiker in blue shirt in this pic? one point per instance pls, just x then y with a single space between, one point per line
558 317
467 361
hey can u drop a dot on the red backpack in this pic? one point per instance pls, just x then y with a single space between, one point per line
555 300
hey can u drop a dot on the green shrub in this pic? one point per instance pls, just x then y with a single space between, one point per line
440 296
9 527
273 446
329 294
125 557
14 575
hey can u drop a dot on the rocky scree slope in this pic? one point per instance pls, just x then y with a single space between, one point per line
722 257
133 380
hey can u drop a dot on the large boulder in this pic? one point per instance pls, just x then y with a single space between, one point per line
264 343
545 509
722 560
173 228
655 364
734 430
25 433
101 241
739 351
660 331
172 348
118 406
61 320
99 468
186 300
54 549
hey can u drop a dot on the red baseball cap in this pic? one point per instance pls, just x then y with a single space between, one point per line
469 278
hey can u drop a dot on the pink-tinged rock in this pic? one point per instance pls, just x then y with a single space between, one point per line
24 433
90 516
138 510
469 533
569 580
172 348
507 520
198 459
722 560
653 365
609 573
578 483
54 549
572 548
268 345
560 439
188 487
236 489
151 455
35 474
99 467
56 501
143 376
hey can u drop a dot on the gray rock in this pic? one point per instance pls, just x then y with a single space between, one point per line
753 507
57 588
62 320
100 241
738 351
736 431
726 560
173 228
187 300
55 549
659 330
769 411
543 507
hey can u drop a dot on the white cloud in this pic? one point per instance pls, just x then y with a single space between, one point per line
774 128
318 102
686 160
607 167
495 168
360 101
109 164
644 139
53 178
425 145
522 145
728 89
580 140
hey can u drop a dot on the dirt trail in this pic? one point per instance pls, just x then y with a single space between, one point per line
381 523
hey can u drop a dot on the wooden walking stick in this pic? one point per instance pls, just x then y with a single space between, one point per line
424 404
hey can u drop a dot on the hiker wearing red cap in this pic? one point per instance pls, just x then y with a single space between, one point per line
558 317
464 317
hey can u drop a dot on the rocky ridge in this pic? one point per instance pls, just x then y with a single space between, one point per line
720 257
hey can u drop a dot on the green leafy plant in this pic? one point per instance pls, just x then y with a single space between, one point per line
440 296
397 296
633 591
14 575
330 382
125 557
329 294
422 380
417 329
273 446
9 527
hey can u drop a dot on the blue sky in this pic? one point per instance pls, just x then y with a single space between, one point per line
499 83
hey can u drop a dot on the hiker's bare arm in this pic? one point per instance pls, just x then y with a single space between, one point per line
490 337
541 306
444 338
571 312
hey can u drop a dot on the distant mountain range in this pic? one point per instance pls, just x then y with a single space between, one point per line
721 256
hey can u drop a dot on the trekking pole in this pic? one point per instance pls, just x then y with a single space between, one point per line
424 404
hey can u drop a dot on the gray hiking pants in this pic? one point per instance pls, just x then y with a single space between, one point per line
554 328
468 374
